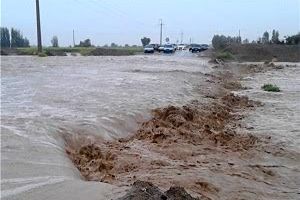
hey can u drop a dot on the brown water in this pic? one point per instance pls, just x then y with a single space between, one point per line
108 97
104 96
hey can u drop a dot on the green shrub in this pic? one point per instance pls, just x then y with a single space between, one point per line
27 51
224 55
55 52
43 54
270 88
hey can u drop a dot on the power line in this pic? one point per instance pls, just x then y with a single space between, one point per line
117 11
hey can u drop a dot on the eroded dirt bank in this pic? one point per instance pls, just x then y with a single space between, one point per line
201 147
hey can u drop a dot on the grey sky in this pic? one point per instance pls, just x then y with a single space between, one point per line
126 21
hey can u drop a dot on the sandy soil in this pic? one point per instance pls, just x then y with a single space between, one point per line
203 147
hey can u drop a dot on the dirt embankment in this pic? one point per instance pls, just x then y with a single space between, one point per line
197 146
260 52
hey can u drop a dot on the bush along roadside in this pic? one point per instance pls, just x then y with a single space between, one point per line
224 55
270 88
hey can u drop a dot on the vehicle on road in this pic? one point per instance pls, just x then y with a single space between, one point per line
169 48
175 47
155 46
195 48
181 47
198 47
161 48
204 46
148 49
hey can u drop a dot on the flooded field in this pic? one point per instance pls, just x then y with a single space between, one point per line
220 146
104 96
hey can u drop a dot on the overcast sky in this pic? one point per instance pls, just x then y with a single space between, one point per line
126 21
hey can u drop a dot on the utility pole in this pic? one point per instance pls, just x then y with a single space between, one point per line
38 26
161 25
73 38
181 37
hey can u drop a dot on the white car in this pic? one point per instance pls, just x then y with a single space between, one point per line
148 49
161 48
181 47
169 48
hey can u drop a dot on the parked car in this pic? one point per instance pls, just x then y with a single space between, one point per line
161 48
169 48
181 47
148 49
204 46
155 46
195 48
175 47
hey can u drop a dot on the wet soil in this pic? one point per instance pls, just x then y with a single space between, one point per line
202 148
147 191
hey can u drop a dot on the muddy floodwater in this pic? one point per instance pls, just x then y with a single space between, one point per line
44 99
105 96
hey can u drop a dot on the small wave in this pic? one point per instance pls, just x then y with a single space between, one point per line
31 184
164 71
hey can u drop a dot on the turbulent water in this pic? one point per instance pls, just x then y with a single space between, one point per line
42 98
105 96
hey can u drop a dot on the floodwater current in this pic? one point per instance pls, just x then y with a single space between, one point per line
41 98
103 96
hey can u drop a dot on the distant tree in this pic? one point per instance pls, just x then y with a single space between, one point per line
85 43
54 41
26 42
145 41
105 46
219 41
126 45
294 39
275 37
113 45
5 37
167 39
17 39
238 40
259 40
265 38
245 41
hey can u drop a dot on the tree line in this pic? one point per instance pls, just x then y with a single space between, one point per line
221 41
12 38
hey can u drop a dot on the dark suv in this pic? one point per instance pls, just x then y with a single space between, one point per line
195 48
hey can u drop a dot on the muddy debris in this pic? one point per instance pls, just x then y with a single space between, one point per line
147 191
174 133
176 140
92 162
